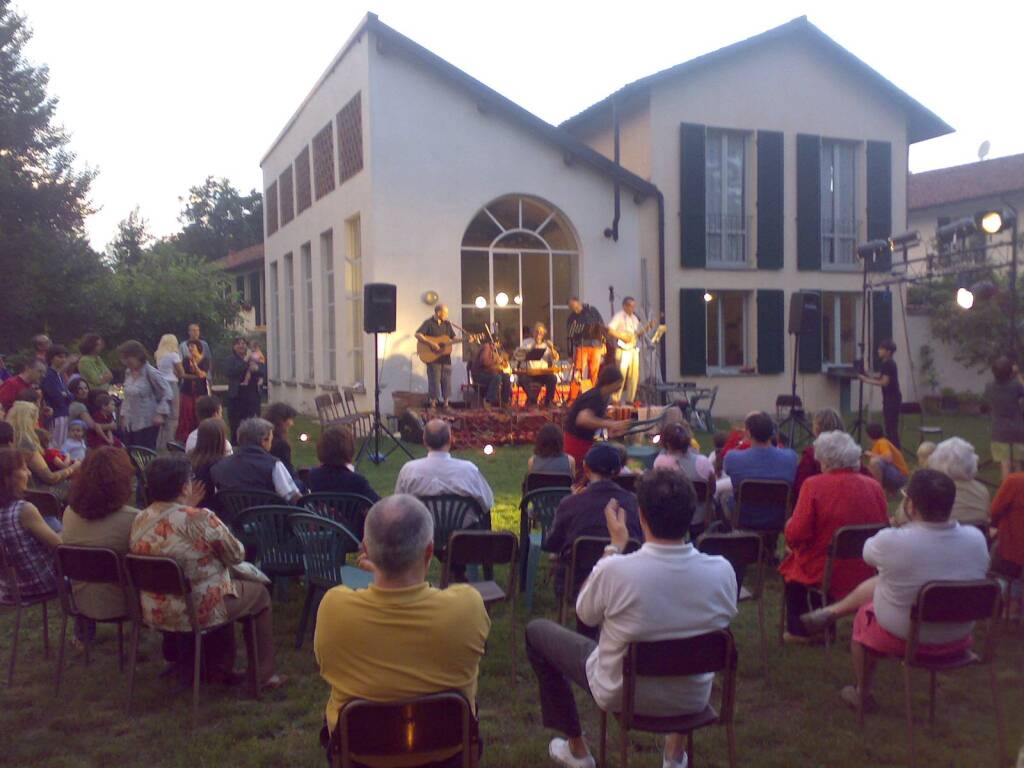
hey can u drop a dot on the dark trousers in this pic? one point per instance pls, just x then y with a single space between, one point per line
439 381
891 417
799 600
240 408
497 387
533 384
558 657
145 437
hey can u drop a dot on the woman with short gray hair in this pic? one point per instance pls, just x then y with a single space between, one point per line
825 420
839 496
957 459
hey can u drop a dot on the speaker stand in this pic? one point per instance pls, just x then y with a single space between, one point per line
374 454
797 417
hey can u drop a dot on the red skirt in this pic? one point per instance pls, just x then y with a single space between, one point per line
872 635
576 448
187 420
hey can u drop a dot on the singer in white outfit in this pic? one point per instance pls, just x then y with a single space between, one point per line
625 327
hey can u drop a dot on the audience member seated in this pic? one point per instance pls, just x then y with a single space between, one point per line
1008 527
26 537
924 453
885 461
32 372
434 639
24 417
825 420
251 467
172 526
549 454
335 449
207 451
282 416
956 458
6 435
761 461
207 407
439 472
931 547
582 514
665 590
678 453
837 497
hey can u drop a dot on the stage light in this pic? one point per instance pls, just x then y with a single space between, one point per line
488 449
708 297
518 299
995 221
501 299
964 298
656 439
959 228
905 239
480 302
303 438
867 251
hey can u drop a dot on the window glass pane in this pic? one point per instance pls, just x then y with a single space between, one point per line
828 328
559 235
565 283
534 214
506 275
473 319
475 277
327 275
509 327
289 314
275 323
733 330
307 298
848 327
713 330
521 240
506 211
481 231
713 174
734 176
558 330
536 298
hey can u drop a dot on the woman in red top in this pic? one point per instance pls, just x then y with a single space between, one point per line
1008 519
837 497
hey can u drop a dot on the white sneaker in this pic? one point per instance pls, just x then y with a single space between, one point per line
562 754
681 763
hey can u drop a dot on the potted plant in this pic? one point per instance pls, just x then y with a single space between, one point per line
971 403
930 377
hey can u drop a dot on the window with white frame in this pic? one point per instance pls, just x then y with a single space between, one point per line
838 204
727 330
289 316
725 198
839 324
307 317
354 295
275 324
327 273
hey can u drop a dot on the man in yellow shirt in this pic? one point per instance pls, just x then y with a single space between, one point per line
401 637
885 461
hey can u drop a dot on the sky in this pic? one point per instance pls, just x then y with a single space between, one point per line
158 95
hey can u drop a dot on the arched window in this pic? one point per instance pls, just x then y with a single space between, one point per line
520 265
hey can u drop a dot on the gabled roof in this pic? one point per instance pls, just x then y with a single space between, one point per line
958 183
922 123
487 98
235 259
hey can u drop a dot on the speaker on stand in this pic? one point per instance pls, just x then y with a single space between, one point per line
379 311
804 316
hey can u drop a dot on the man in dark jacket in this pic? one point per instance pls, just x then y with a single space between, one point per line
243 378
252 467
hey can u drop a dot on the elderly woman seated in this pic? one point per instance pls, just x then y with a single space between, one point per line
956 459
837 497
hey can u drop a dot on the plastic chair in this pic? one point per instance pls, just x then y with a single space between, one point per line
914 409
277 552
173 446
88 565
230 504
404 729
163 575
9 576
486 548
744 550
536 515
586 551
349 509
954 602
326 545
710 652
450 513
47 504
140 456
627 481
537 480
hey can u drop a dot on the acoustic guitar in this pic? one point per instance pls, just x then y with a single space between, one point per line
428 355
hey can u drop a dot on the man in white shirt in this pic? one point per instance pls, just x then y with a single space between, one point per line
931 547
440 473
252 467
207 407
665 590
625 327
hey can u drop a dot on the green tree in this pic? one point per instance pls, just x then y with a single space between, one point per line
131 240
217 218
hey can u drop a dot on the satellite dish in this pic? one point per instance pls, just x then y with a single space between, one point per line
983 149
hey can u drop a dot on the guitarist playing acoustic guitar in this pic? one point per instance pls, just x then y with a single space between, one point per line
435 338
626 329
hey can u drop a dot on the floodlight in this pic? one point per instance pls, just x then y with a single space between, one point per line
994 221
956 229
480 302
905 239
708 297
964 298
501 299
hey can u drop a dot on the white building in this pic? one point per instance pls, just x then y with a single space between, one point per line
746 174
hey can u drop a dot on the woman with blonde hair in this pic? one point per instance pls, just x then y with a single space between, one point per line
168 362
23 418
825 420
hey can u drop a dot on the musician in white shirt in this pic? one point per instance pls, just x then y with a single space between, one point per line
626 328
532 382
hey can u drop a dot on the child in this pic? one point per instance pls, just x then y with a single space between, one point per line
924 452
885 461
256 361
74 446
101 409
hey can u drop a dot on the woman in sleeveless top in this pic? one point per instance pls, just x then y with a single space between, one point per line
548 454
26 538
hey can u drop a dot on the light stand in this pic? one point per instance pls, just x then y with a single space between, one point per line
378 427
796 417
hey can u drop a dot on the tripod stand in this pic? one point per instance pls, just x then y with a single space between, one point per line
378 427
796 416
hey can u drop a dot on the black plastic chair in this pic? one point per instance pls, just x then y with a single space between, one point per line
452 513
627 481
707 653
764 493
349 509
16 600
230 504
326 546
163 576
140 456
88 565
405 729
270 542
586 551
537 480
173 446
47 504
536 515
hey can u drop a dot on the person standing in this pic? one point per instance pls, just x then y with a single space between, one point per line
193 387
888 379
32 372
1005 398
168 362
439 372
587 415
56 394
41 344
625 327
586 331
195 335
243 386
91 366
147 397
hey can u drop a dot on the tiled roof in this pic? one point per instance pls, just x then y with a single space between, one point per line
965 182
246 257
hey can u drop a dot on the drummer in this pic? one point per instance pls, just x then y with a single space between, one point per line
535 374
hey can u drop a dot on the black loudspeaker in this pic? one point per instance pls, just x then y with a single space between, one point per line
379 304
410 427
804 312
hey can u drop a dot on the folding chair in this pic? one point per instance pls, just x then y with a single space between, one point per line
914 409
230 504
955 602
163 576
710 652
349 509
743 550
586 551
14 599
140 456
47 504
536 515
404 729
267 531
361 419
326 545
486 548
627 481
88 565
775 494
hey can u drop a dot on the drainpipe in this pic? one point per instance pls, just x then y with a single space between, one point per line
661 279
613 230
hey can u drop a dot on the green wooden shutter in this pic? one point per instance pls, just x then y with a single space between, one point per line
881 320
810 347
693 332
808 202
691 196
770 163
879 172
771 331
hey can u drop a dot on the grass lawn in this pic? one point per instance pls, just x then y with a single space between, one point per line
796 720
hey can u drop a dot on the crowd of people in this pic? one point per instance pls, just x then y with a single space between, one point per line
665 588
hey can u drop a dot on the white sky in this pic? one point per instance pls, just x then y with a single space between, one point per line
158 95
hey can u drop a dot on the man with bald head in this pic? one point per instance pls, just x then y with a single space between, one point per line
440 473
381 643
